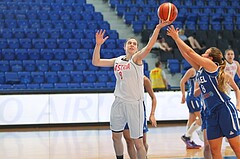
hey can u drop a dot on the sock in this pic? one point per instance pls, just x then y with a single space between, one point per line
192 128
119 157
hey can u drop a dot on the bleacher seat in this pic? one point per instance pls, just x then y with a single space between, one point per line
25 77
67 65
64 76
55 65
80 65
29 65
77 76
4 66
16 66
173 65
11 78
51 77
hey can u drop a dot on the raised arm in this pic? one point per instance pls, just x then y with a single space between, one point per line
208 64
96 60
148 88
140 55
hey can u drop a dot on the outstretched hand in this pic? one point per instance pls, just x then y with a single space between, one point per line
171 31
99 37
153 121
162 23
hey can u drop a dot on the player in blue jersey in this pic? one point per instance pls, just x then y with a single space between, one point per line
194 106
221 116
130 145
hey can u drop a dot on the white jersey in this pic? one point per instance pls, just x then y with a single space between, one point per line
129 83
231 68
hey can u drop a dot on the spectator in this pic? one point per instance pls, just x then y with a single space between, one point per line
191 41
158 78
162 45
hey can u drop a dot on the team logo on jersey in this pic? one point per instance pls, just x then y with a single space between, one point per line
231 133
120 67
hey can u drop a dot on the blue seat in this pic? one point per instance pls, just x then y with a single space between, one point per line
3 44
75 43
75 15
87 43
61 86
51 77
21 54
19 86
2 78
97 16
34 54
216 25
100 85
25 77
87 16
190 25
71 54
80 65
67 65
83 54
59 54
55 65
89 34
29 65
185 64
54 15
11 78
43 15
18 33
102 76
32 14
107 54
35 24
110 44
33 86
42 65
37 77
43 33
81 25
16 66
66 33
77 33
104 25
51 43
137 26
7 33
54 33
69 24
90 76
120 9
4 66
38 43
8 54
25 43
47 86
173 65
129 17
74 85
63 43
47 54
203 25
46 24
64 76
10 23
111 85
77 76
66 15
120 43
13 43
87 85
112 34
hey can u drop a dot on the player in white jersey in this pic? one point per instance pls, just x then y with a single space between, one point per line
232 66
129 90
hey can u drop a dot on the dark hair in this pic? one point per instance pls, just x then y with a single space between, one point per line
157 64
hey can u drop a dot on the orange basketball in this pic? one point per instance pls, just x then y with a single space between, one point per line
167 12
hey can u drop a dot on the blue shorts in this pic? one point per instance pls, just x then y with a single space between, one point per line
145 127
193 104
223 121
203 117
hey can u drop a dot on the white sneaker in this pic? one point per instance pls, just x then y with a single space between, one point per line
200 134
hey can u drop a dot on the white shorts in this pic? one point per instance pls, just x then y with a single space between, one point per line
123 112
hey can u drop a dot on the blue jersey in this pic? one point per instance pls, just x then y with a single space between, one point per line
193 103
208 84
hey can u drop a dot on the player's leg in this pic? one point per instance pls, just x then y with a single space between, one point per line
206 150
141 152
234 143
130 144
216 145
118 144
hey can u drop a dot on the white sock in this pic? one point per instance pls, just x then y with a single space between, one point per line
192 128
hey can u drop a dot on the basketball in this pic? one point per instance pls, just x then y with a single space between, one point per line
167 12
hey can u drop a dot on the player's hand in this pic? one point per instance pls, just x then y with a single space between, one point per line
99 37
153 120
173 32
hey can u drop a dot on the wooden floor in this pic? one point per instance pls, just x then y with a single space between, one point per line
92 143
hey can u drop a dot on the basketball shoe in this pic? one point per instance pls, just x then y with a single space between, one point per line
190 144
